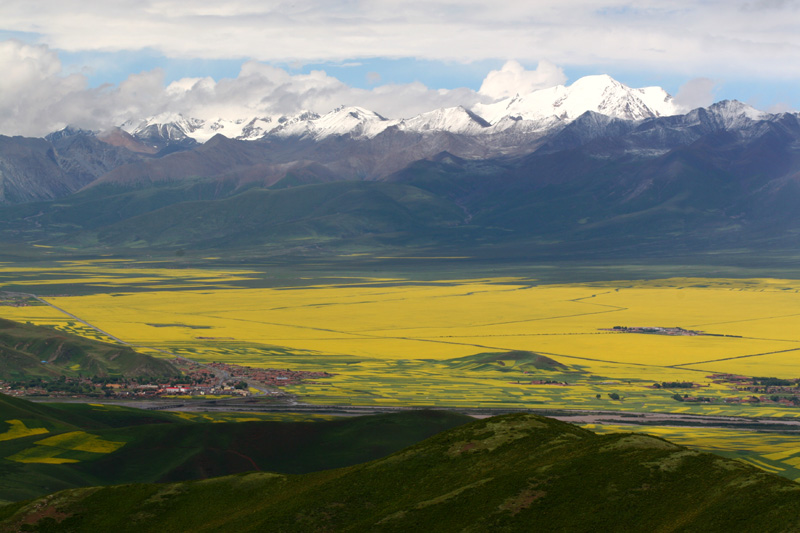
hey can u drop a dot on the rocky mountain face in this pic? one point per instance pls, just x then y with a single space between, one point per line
54 167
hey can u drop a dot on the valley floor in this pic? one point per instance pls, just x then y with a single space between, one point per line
487 344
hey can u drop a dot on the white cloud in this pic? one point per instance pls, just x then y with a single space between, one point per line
697 92
36 97
514 79
715 38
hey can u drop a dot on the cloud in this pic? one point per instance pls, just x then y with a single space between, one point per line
514 79
37 98
716 38
697 92
779 107
261 89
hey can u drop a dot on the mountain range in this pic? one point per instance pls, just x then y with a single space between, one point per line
596 163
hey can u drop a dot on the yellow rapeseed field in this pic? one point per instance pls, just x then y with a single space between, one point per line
57 449
391 341
444 321
18 429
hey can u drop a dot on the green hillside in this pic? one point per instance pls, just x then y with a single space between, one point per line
320 212
517 472
48 447
36 351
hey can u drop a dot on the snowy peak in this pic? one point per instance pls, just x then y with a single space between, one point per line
600 94
355 121
518 119
734 114
451 119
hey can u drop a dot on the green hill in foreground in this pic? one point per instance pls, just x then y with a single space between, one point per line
36 351
50 447
518 472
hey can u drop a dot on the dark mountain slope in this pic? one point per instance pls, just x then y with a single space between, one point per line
162 446
43 169
318 212
32 351
512 473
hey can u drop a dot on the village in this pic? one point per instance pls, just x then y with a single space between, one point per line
675 331
200 381
754 390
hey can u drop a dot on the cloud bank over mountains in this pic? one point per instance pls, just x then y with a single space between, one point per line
513 79
37 97
754 43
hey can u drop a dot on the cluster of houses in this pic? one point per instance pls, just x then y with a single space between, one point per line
196 380
763 390
653 330
775 391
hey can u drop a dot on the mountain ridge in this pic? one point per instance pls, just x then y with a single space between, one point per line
539 110
518 472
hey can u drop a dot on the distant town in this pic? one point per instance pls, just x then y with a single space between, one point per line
659 330
674 331
213 379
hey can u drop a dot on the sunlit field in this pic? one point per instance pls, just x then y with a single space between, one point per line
69 447
778 454
447 343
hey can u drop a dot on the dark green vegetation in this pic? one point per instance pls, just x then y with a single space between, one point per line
161 446
526 361
35 351
517 472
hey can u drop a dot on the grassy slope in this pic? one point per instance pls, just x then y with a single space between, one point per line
322 211
511 473
165 447
23 347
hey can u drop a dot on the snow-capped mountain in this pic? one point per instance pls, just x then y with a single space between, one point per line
538 111
353 121
452 120
732 114
601 94
176 127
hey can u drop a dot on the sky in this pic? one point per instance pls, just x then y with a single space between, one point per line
96 64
